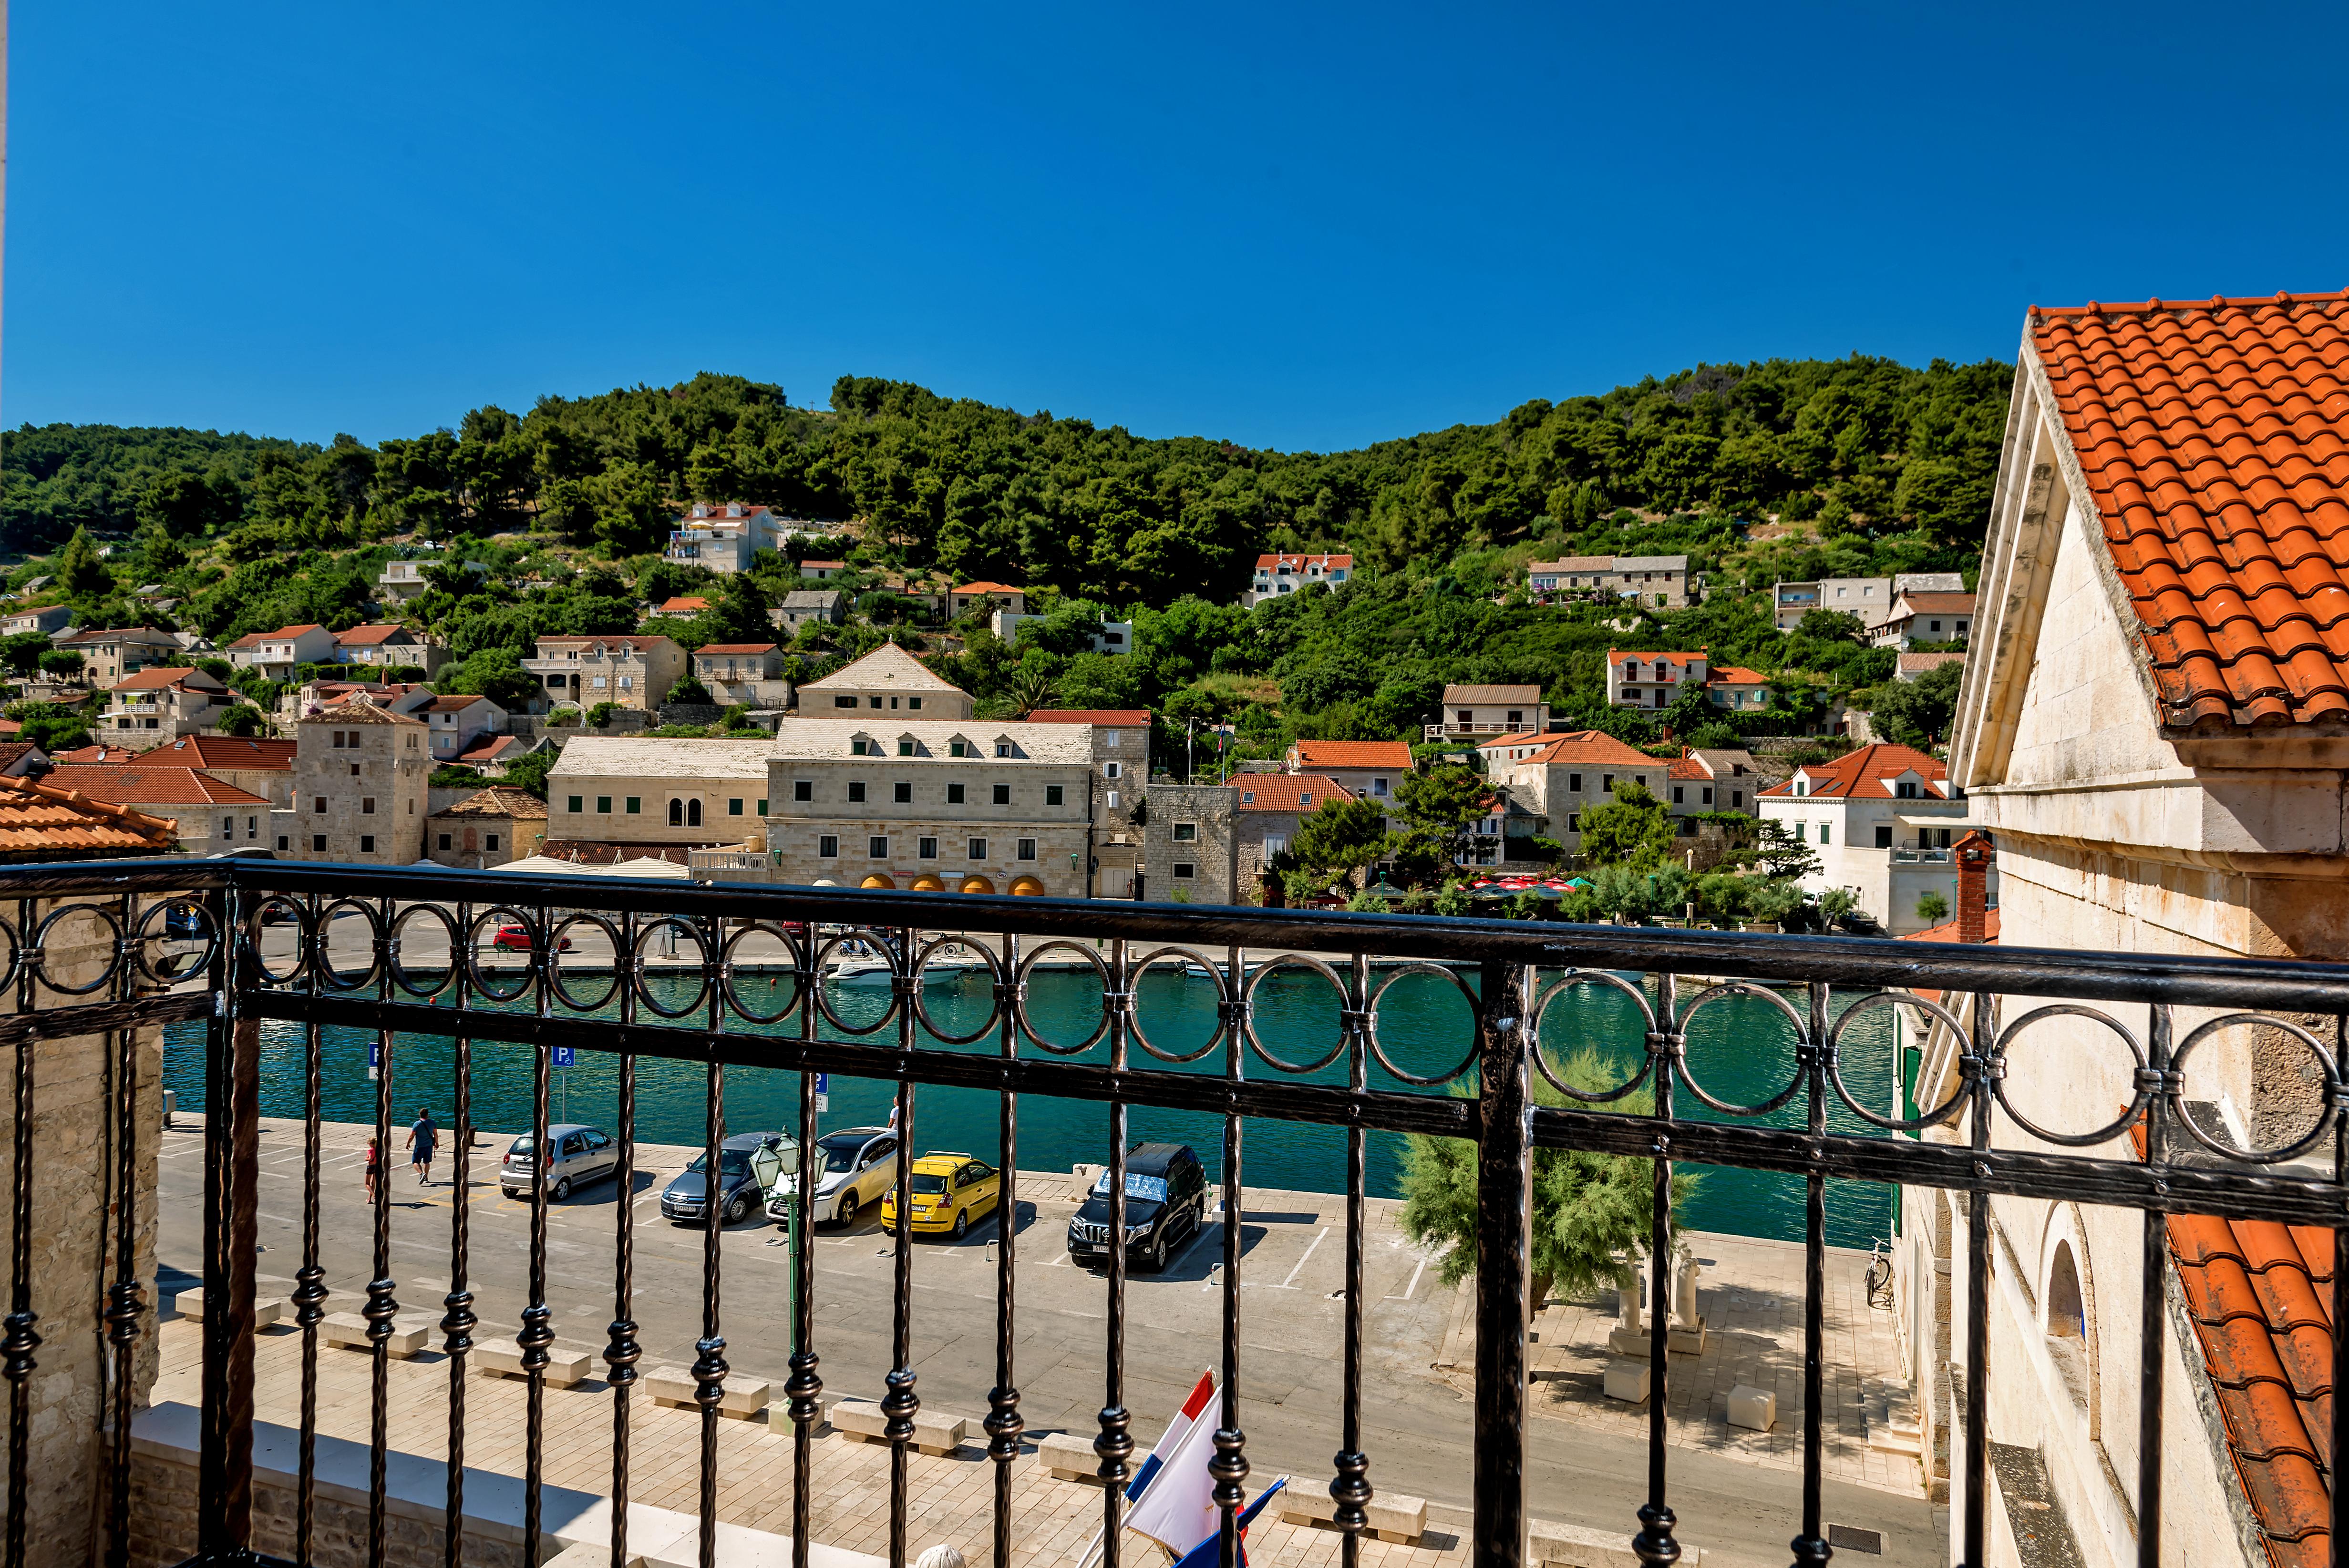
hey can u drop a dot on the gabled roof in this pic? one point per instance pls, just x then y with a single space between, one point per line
1294 793
1326 563
991 588
144 633
888 666
456 704
498 800
1526 696
356 709
1315 754
1867 772
1686 768
1588 748
2212 439
1651 563
1725 762
1948 932
682 605
1573 564
163 678
1939 603
1685 654
834 565
811 599
372 637
1920 663
491 748
640 644
1734 675
42 822
663 758
94 753
140 784
1105 717
225 751
740 648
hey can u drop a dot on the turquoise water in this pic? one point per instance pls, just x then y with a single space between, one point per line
1740 1047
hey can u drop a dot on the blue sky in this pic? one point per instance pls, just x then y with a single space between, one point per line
1291 227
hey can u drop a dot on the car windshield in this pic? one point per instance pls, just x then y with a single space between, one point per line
1137 1185
732 1161
926 1182
840 1156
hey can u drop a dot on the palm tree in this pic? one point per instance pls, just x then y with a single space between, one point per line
1032 689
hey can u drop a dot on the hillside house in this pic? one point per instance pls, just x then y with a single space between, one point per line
1920 617
827 606
164 702
389 645
886 680
631 672
107 656
749 674
1470 710
1881 820
274 654
1279 575
1369 769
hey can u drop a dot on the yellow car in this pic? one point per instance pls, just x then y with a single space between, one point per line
951 1191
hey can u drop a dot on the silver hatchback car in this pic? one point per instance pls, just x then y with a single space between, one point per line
582 1154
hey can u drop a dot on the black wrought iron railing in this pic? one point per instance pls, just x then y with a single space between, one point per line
191 942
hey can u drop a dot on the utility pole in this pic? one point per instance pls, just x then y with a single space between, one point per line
1190 763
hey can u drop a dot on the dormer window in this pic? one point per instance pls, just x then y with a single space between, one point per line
860 746
957 748
1802 787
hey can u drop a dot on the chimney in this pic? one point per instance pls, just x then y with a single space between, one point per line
1974 855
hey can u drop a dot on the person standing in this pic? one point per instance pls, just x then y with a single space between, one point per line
422 1138
372 1163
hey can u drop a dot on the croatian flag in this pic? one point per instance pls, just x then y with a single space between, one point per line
1193 1408
1209 1553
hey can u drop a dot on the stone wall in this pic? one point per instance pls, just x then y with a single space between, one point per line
1211 812
74 1210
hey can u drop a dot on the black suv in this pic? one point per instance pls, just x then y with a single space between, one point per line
1165 1201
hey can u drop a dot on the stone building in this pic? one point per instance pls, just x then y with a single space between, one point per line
931 805
1373 770
1269 808
2151 728
1882 821
1121 756
213 815
750 673
631 671
886 680
1489 710
614 797
1191 844
826 606
1556 777
266 767
164 703
488 828
361 776
107 656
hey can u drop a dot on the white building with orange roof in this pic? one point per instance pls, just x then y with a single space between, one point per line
1373 770
1640 678
213 815
1559 777
969 596
2154 723
1881 820
1281 573
1269 811
387 645
274 654
163 703
749 674
727 536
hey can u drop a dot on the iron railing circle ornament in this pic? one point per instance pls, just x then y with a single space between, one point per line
1371 1022
918 967
1187 958
2176 1090
558 987
1027 967
322 961
145 939
1565 983
115 936
640 969
1248 1022
400 974
727 963
256 923
1802 1043
872 936
1940 1113
2140 1097
9 977
502 916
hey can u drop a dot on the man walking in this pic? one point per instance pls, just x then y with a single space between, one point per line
422 1138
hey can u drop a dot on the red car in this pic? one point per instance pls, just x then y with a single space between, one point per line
516 938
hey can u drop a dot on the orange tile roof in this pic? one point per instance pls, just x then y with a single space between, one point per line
369 636
1105 717
498 800
139 784
1939 603
163 677
1290 792
1329 563
1875 764
1317 754
1735 675
223 752
990 588
94 753
2259 1295
1948 932
39 821
683 604
2214 438
738 647
1590 749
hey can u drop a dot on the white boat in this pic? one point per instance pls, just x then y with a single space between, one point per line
860 965
953 956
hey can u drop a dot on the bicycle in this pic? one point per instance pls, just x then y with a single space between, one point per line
1879 1273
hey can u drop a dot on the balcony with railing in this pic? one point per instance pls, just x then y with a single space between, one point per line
373 1435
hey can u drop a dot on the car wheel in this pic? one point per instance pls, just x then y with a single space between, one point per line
962 1225
846 1213
561 1189
1158 1253
736 1210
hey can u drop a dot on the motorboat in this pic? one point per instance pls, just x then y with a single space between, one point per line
953 956
859 965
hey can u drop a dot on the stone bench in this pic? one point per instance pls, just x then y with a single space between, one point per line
350 1329
266 1310
863 1421
1578 1546
1067 1457
738 1396
503 1357
1392 1516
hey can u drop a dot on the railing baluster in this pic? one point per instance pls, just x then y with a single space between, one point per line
537 1317
621 1350
1350 1490
1230 1466
805 1389
116 1323
381 1308
900 1403
1810 1547
22 1336
1503 1243
1003 1422
1115 1444
457 1319
309 1292
231 1130
1654 1545
2152 1307
709 1350
1976 1507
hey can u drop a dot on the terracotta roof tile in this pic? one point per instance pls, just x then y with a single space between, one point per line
739 647
217 751
1105 717
1298 793
1866 771
498 800
2212 437
1314 755
136 784
39 821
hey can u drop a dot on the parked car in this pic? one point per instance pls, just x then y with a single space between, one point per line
748 1163
852 1168
1165 1201
518 939
582 1154
951 1191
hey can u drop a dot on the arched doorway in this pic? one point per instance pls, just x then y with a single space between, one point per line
877 879
1027 887
693 812
977 885
928 883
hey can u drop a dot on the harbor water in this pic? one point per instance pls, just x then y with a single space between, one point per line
1740 1047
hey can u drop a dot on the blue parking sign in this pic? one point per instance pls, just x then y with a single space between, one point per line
375 1057
823 1083
564 1055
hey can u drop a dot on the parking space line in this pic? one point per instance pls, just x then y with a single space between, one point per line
1291 1282
1414 1280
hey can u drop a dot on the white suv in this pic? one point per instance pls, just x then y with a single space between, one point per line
854 1167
